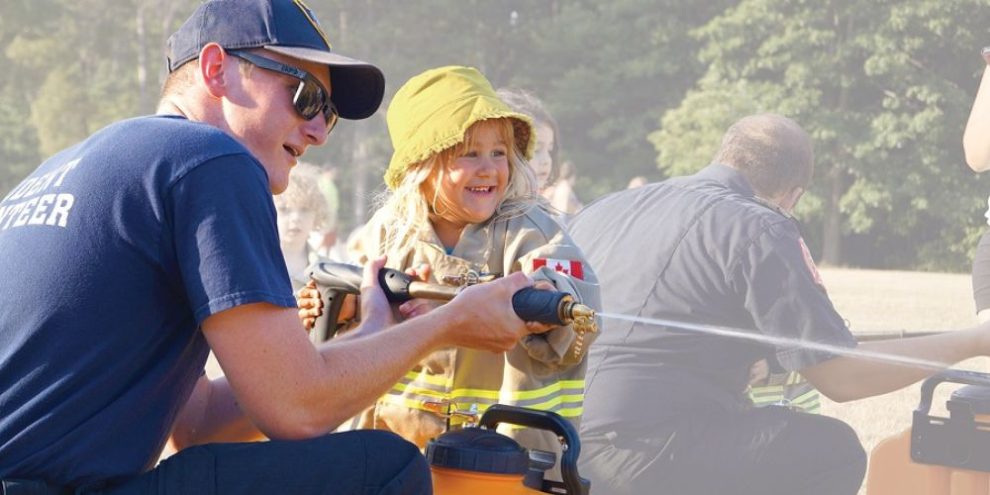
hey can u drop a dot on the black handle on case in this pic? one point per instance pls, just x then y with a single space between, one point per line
549 421
962 377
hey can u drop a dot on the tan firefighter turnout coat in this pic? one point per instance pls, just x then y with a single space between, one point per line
544 371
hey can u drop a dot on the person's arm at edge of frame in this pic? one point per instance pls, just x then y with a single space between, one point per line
976 137
847 378
291 391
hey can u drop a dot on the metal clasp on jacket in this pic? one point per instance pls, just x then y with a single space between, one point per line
468 278
448 410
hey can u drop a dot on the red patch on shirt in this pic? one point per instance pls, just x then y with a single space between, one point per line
567 267
808 260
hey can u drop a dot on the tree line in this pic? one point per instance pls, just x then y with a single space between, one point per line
638 87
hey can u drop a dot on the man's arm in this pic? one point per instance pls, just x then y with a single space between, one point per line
290 389
211 414
785 298
976 138
848 378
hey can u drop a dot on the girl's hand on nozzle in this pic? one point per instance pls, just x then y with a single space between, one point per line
420 272
309 304
418 307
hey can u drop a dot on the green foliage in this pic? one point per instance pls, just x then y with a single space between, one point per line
18 140
639 87
690 134
883 87
62 80
608 71
57 128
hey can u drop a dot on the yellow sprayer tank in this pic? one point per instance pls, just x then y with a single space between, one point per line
938 455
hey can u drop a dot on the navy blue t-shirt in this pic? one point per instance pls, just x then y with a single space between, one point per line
112 254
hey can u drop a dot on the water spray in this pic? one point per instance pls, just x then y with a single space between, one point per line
784 341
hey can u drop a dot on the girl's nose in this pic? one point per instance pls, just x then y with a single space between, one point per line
488 165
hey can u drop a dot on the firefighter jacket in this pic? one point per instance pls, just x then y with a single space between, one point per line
543 371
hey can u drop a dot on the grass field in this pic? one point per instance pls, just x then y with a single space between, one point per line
875 301
889 301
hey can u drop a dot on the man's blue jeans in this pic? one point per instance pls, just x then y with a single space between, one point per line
359 462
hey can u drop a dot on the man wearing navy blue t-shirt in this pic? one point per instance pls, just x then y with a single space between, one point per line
126 258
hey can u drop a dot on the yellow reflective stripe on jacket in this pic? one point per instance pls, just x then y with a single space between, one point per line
794 378
768 394
414 402
414 397
436 380
462 394
565 397
403 389
795 393
555 387
809 401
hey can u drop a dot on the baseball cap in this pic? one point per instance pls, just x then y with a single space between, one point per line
288 27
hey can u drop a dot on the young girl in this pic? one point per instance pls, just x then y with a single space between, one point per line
462 202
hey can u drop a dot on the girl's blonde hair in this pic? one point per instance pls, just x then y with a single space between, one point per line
409 209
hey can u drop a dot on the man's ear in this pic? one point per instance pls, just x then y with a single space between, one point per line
211 69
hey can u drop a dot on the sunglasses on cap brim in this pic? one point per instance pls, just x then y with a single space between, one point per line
310 98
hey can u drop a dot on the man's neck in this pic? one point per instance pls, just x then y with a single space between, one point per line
169 106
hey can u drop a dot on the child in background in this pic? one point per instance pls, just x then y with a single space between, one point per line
326 239
462 202
561 193
553 183
546 151
301 210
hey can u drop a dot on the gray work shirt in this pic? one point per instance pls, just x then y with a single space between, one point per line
700 249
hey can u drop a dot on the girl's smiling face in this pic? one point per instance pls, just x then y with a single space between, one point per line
469 184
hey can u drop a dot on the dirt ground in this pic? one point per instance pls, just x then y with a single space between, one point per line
875 301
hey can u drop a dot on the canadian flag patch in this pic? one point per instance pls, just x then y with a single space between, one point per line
567 267
808 260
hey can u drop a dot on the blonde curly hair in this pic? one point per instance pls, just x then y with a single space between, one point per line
410 208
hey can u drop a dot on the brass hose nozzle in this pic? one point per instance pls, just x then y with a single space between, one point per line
580 316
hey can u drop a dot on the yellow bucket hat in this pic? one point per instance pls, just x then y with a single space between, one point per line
432 111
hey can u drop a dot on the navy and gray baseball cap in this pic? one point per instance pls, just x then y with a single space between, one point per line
288 27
